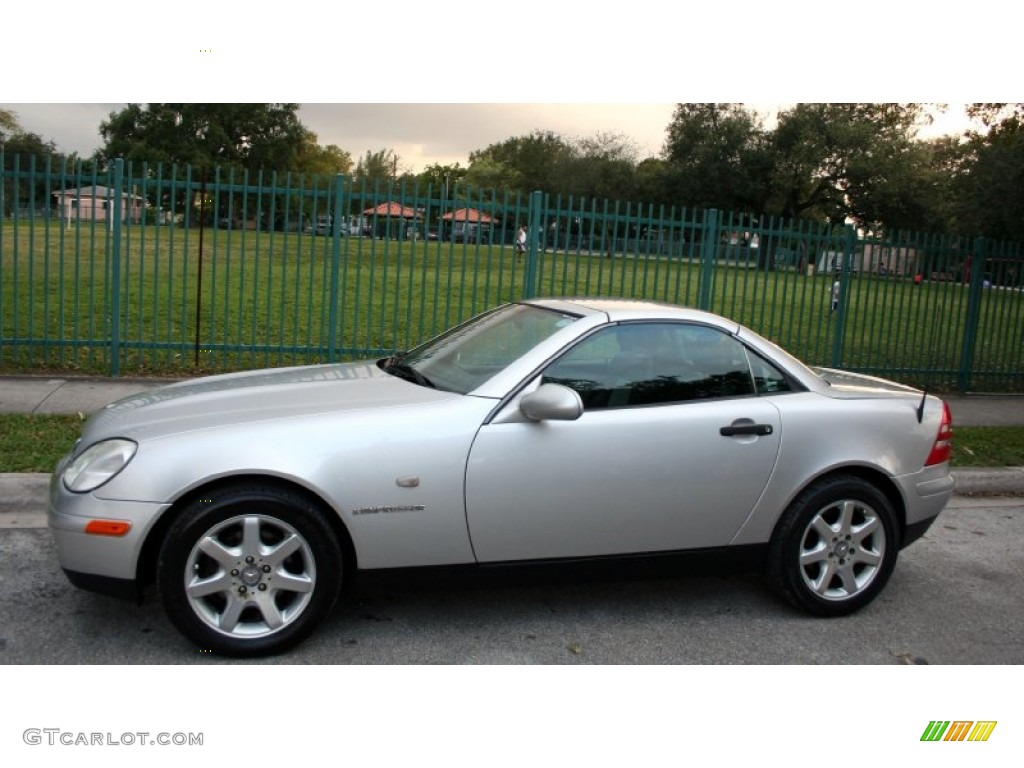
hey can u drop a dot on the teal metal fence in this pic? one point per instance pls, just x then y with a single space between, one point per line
169 270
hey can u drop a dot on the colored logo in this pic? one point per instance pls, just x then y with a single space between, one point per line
958 730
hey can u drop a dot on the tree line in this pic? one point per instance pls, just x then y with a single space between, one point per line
849 162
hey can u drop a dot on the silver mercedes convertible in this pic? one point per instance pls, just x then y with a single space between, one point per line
552 431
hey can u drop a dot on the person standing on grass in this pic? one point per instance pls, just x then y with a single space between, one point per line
835 294
521 241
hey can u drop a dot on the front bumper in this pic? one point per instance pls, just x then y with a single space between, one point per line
126 589
98 559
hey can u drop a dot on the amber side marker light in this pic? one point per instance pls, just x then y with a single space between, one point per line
108 527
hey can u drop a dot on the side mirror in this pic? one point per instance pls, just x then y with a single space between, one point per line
552 402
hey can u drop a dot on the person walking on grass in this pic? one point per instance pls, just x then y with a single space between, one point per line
521 241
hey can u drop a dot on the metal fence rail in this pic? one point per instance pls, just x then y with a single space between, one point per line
154 269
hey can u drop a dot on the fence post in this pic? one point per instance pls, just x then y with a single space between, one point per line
530 278
115 279
709 248
332 311
846 271
977 278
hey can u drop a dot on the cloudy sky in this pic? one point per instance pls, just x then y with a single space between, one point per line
421 134
434 83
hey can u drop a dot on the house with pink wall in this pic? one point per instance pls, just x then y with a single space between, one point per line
95 203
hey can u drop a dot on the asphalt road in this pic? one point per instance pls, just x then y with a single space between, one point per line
955 598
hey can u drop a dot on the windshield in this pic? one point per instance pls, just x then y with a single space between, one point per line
468 355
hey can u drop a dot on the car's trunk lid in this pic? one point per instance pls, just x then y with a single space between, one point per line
847 384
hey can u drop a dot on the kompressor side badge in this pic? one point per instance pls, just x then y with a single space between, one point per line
408 481
388 510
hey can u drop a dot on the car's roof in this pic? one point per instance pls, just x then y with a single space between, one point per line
632 309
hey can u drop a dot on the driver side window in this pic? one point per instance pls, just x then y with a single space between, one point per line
653 363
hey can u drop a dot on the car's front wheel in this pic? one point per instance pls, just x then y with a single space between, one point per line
835 546
249 570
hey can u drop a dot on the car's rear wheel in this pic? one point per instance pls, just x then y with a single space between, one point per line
835 546
250 570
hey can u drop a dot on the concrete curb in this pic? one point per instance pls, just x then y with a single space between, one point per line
23 493
990 481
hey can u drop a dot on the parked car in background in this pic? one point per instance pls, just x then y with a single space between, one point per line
359 226
324 226
291 222
463 232
544 431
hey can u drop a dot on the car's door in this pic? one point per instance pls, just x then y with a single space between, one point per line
672 452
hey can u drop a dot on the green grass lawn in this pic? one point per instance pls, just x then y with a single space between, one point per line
31 443
988 447
259 299
34 443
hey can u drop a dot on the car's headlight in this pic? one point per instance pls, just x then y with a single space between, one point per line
98 464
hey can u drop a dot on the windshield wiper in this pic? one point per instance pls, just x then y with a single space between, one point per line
407 372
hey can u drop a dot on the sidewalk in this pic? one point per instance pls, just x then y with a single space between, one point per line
49 395
43 394
25 494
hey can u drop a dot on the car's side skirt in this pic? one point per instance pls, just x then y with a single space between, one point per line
716 561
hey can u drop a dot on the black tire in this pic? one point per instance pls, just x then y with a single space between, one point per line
249 570
835 546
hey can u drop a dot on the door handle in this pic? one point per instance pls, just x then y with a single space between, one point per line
746 429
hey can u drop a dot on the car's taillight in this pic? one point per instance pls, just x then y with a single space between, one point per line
944 440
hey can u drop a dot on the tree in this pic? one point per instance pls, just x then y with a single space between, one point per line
653 181
599 166
716 157
15 140
833 161
244 136
909 189
322 161
8 123
993 113
533 162
603 166
441 179
990 183
21 148
27 144
377 168
487 173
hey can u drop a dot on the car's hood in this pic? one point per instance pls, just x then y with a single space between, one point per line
847 384
255 396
